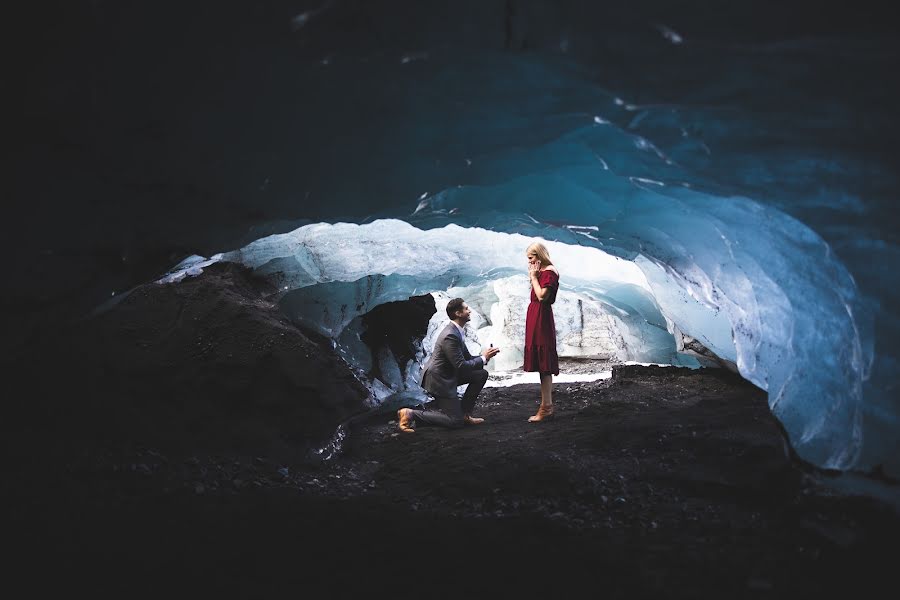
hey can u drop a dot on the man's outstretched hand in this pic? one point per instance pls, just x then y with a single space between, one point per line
489 353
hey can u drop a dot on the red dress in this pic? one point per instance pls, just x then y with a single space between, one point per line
540 330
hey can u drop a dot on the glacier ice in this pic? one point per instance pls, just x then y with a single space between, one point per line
328 276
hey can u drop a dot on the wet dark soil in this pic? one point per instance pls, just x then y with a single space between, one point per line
662 482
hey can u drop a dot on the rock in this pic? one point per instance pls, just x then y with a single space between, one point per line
219 368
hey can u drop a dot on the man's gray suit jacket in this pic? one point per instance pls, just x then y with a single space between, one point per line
449 358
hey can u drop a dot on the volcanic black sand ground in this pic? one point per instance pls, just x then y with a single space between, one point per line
661 482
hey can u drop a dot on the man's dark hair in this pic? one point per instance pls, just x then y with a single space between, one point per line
453 306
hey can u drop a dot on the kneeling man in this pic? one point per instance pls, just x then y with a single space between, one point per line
451 365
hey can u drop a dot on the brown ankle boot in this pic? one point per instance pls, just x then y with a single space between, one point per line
405 418
543 413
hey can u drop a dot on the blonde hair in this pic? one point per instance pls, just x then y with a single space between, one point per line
540 251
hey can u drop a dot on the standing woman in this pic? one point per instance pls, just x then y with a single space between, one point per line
540 329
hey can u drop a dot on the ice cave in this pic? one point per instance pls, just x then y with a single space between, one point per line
708 199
